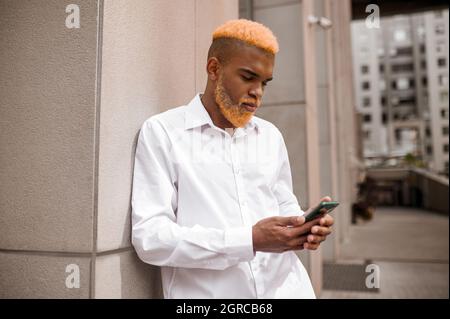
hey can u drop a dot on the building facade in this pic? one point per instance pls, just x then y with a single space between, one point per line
401 87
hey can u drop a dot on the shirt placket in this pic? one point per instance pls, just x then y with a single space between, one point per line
243 204
240 190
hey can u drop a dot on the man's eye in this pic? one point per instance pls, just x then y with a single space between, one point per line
245 78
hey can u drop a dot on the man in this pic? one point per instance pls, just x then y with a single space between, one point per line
212 190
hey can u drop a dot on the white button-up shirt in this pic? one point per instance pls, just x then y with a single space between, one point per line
197 192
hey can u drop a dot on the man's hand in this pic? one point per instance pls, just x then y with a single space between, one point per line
320 231
279 234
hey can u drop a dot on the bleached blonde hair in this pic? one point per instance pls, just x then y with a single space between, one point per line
250 32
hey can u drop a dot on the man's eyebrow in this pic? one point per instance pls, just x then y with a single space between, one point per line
256 75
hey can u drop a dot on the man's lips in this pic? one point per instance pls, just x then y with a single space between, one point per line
250 106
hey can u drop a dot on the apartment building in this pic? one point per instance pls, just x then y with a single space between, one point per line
401 87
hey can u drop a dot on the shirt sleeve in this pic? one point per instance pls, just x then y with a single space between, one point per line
156 236
282 187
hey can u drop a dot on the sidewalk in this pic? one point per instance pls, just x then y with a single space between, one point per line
411 248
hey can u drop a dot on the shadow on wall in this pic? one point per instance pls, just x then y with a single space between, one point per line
138 279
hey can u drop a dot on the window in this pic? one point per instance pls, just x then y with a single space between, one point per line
444 96
381 68
364 69
423 64
445 130
403 84
394 85
439 29
398 134
407 100
441 45
441 62
384 118
444 113
445 148
394 100
366 85
366 101
421 33
367 118
405 51
429 150
422 48
383 100
400 35
443 80
402 67
366 134
424 81
427 132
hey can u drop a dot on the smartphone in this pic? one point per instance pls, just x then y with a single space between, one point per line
316 212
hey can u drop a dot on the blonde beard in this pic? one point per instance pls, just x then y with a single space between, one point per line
236 115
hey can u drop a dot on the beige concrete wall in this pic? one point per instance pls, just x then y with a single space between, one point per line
47 129
72 102
47 90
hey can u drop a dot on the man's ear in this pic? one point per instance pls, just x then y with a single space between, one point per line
213 67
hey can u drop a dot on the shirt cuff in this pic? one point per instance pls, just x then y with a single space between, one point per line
239 243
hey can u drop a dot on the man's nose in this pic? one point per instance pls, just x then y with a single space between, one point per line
256 92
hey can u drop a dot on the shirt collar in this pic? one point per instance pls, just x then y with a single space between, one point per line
196 115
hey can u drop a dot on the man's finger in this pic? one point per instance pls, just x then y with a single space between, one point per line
291 221
327 220
304 228
326 199
314 239
298 241
322 231
310 246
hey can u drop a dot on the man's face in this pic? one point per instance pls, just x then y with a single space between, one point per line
240 85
